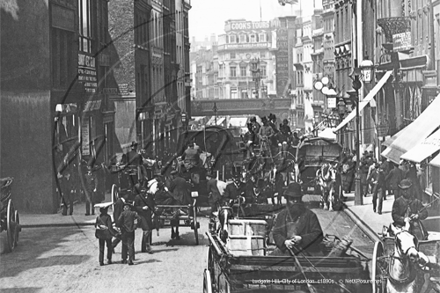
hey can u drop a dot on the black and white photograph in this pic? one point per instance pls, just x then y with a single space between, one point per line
220 146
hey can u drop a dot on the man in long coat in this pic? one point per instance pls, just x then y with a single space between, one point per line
144 206
296 227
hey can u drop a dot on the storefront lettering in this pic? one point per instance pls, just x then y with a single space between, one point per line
247 25
86 61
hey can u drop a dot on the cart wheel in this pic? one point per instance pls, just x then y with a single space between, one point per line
207 284
378 280
195 225
17 227
10 226
114 193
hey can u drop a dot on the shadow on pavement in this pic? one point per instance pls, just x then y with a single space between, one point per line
188 239
21 290
36 242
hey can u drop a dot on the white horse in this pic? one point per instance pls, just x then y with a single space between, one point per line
404 270
326 179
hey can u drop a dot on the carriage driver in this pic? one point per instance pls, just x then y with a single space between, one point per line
409 209
297 227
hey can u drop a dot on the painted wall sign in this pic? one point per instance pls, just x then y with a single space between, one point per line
87 72
402 41
247 25
85 147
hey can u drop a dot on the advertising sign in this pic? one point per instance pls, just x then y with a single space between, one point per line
87 72
85 147
402 41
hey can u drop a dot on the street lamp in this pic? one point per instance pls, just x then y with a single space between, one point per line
354 98
215 112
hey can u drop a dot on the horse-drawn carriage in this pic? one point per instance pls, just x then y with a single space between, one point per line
243 263
9 218
401 263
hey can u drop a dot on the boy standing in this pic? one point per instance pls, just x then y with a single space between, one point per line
104 232
127 221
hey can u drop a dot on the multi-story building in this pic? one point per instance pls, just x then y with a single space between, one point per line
130 51
246 60
54 96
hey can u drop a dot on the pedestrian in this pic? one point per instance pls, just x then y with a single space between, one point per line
104 232
91 181
412 175
408 209
394 177
118 208
297 227
144 206
214 197
128 222
364 166
372 174
379 188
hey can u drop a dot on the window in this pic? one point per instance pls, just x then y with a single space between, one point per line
232 55
85 26
242 38
253 38
233 72
243 71
62 59
262 38
263 70
262 54
232 39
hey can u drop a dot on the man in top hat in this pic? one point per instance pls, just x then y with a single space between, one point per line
296 227
144 206
407 209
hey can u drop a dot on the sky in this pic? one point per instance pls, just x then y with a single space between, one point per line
209 16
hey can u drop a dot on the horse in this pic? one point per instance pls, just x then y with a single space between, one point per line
404 274
326 179
225 213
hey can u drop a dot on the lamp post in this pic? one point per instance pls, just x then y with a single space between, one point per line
325 87
354 97
215 112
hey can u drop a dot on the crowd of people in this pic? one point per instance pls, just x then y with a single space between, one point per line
380 178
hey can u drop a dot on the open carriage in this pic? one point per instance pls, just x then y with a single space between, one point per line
9 218
244 263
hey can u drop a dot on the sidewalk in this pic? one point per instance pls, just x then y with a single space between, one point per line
370 222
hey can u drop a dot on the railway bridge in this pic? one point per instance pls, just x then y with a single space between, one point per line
257 107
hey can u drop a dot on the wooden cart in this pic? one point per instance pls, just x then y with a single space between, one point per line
244 264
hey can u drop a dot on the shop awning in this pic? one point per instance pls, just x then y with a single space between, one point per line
365 101
220 120
427 122
435 162
238 122
424 149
